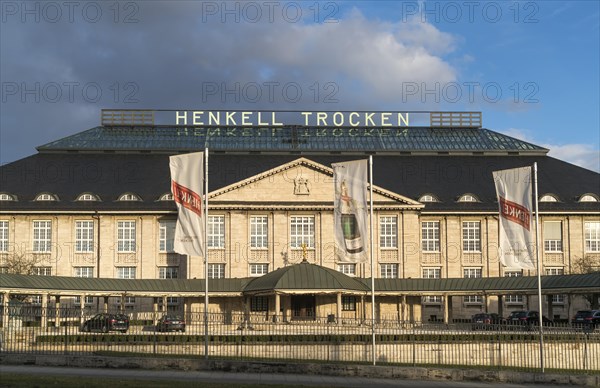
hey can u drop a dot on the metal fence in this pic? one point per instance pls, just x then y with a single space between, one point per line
320 339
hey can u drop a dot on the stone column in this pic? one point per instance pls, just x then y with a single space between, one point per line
446 308
57 311
165 308
501 305
550 313
155 310
339 308
105 307
5 299
277 307
81 308
44 322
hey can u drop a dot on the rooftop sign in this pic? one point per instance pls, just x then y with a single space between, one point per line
260 118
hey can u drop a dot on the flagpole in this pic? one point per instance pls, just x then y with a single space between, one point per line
372 255
206 253
539 265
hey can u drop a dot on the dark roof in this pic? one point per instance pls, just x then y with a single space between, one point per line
109 175
291 138
66 283
305 276
522 284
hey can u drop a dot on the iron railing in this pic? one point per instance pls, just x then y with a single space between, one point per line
256 336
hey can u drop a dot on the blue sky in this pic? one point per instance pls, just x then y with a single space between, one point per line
531 67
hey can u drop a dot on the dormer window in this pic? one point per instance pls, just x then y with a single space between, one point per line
588 198
46 197
548 198
428 198
87 197
468 198
166 197
129 197
7 197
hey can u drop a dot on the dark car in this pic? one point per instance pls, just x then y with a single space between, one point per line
526 318
171 322
104 323
485 321
587 318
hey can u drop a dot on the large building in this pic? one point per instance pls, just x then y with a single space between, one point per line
98 204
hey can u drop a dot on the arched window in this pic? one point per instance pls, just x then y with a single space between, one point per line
468 198
548 198
428 198
7 197
46 197
129 197
588 198
166 197
87 197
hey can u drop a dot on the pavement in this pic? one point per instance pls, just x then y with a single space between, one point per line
242 378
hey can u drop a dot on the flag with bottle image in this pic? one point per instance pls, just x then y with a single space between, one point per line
350 210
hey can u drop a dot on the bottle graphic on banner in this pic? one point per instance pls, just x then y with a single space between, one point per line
352 237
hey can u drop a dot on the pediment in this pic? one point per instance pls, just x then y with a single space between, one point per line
300 181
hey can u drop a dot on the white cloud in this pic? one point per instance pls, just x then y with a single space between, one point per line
583 155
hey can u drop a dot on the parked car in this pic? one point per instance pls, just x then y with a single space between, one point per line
485 321
104 323
526 318
170 322
587 319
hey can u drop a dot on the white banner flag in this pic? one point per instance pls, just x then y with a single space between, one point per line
513 187
350 210
187 178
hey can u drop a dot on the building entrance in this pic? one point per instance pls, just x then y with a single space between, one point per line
303 307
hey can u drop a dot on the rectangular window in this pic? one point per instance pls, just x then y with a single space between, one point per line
471 231
513 299
302 232
259 232
89 300
4 236
432 273
259 269
592 236
168 272
389 271
36 299
42 271
84 272
84 236
430 236
216 271
125 236
347 269
472 273
259 303
216 232
166 236
388 232
126 272
556 299
552 236
348 303
42 236
555 271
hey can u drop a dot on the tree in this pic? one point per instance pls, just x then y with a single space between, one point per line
588 264
20 263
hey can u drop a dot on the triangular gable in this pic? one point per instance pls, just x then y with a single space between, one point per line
301 180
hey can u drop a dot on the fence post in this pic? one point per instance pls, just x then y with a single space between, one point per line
585 351
66 336
414 348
